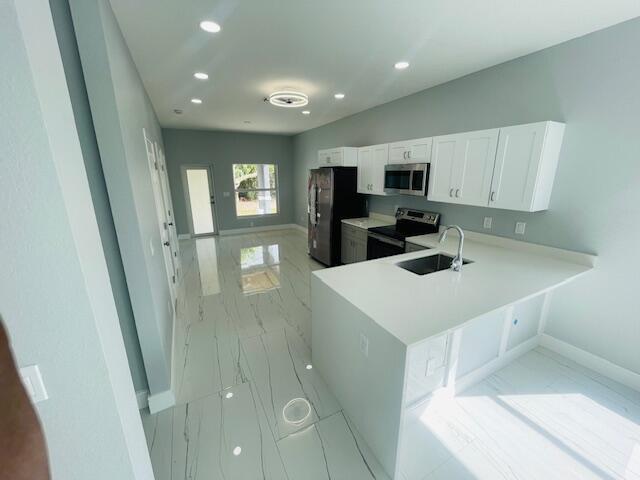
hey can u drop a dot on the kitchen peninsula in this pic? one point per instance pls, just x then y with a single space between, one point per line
385 338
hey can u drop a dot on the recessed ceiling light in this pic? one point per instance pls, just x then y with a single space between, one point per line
237 451
309 366
229 395
401 65
201 75
209 26
197 101
288 99
306 112
339 96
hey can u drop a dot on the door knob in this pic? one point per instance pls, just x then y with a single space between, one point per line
166 244
171 224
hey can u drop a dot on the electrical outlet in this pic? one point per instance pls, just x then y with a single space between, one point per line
487 222
520 226
364 345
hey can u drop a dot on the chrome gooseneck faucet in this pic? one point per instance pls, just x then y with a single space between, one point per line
456 263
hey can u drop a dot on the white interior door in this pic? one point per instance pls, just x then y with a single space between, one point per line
161 212
168 203
198 187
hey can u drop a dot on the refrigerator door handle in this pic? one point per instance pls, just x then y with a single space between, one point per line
313 205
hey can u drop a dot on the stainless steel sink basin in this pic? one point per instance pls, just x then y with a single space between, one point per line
430 264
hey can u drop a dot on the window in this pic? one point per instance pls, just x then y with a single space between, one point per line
255 188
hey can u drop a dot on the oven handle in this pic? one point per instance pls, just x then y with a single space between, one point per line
390 241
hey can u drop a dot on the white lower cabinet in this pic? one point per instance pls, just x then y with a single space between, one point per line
354 244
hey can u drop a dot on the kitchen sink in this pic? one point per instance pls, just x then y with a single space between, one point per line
430 264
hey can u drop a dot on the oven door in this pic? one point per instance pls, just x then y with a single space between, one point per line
407 179
379 246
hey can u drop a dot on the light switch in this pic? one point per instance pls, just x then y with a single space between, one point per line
487 222
226 194
32 381
520 226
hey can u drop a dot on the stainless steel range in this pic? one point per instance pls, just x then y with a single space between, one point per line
390 240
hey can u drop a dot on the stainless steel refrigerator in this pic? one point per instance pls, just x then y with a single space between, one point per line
332 196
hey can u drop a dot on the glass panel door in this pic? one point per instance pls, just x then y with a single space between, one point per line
200 200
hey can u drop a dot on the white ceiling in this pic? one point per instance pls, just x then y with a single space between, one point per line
321 47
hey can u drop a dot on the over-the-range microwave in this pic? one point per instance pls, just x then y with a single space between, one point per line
407 178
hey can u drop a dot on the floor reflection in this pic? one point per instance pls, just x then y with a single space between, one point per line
260 267
207 258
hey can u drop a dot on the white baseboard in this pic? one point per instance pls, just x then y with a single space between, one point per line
591 361
494 365
143 399
184 236
300 227
238 231
161 401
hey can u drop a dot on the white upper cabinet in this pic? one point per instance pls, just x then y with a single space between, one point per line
525 166
410 151
443 175
338 157
462 167
364 169
371 163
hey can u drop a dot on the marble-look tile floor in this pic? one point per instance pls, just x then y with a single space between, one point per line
251 406
541 417
249 403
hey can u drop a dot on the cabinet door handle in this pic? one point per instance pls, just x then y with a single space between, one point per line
409 154
451 192
493 196
457 192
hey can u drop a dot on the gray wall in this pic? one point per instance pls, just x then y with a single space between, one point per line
221 150
84 125
591 83
55 295
121 109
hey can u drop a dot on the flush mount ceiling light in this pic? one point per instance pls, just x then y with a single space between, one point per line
306 112
201 75
339 96
197 101
209 26
401 65
288 99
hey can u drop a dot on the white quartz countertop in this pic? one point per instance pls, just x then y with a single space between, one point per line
414 308
369 222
